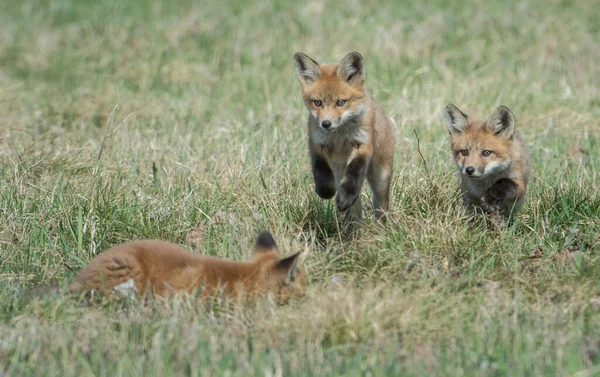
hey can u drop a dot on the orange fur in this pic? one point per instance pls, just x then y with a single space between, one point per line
349 137
164 269
492 158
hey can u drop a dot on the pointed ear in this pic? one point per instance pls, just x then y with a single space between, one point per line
352 69
289 265
502 122
456 120
308 70
264 242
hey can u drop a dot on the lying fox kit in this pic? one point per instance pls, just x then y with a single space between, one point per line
164 269
492 159
349 137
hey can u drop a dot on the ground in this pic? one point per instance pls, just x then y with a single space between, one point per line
183 121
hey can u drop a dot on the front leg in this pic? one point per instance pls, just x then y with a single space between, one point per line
352 180
502 196
323 176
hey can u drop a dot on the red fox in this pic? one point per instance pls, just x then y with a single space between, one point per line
164 269
493 160
349 137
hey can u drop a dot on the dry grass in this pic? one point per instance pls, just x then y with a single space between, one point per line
184 122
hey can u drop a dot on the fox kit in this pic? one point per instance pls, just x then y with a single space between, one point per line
349 137
164 269
493 160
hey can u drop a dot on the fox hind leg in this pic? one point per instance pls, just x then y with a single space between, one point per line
106 275
380 178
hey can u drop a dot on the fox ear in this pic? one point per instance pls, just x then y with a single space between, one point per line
456 120
264 242
353 69
502 122
289 265
308 70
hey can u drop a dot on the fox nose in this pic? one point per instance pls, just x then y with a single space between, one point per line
326 124
470 170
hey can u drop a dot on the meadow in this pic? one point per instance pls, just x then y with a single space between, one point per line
183 121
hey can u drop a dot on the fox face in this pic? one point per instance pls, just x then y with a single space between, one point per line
282 277
333 93
481 149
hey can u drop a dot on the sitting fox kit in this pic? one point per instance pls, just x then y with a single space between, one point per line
164 269
493 160
349 137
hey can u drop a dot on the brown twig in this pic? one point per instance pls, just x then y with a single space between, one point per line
107 136
262 180
421 154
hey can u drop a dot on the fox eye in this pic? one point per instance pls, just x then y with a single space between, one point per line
486 153
340 102
317 102
464 152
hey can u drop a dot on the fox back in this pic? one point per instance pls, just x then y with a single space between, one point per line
163 269
491 157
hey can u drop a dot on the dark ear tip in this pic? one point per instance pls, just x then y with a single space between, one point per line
265 240
449 111
357 58
287 262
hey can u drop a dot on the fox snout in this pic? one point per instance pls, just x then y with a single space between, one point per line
473 172
329 124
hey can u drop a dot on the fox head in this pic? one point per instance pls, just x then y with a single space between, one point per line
281 276
481 148
333 93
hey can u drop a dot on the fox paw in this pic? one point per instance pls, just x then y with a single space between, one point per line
345 199
490 205
325 191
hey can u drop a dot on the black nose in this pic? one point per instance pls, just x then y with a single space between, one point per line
326 124
470 170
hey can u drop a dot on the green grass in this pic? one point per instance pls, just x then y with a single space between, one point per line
126 120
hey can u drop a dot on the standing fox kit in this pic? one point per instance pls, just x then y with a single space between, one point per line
349 137
493 160
164 269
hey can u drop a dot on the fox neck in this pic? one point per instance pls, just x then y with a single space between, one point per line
480 186
350 129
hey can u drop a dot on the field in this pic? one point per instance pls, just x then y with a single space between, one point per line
184 121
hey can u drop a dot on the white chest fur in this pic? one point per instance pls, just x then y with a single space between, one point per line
348 134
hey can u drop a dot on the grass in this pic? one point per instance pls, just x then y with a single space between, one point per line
183 121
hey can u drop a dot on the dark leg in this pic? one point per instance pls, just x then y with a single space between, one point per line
323 177
501 197
351 182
